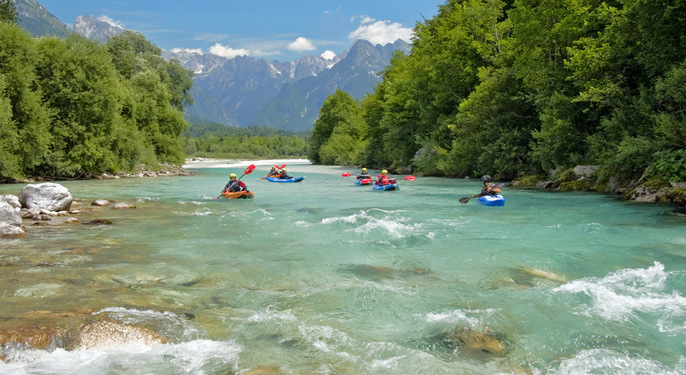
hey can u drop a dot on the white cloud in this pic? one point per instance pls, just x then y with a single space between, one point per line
188 50
382 32
228 52
328 55
301 44
110 21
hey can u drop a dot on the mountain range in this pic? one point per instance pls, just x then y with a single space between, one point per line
243 90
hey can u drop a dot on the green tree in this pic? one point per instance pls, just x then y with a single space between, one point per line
340 128
25 137
8 12
83 92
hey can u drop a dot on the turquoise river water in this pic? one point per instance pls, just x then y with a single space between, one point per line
324 277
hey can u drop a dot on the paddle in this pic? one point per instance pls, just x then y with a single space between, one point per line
346 174
466 199
248 170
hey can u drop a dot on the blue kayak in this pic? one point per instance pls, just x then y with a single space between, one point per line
492 200
294 179
386 187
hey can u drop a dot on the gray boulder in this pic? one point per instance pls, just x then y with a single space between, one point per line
12 200
10 221
47 196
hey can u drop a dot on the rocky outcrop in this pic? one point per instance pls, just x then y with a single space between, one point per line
46 196
104 334
36 337
12 200
473 340
10 221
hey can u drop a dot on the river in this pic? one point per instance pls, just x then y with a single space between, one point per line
325 277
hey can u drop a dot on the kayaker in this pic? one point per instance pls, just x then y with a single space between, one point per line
284 174
273 172
489 188
383 179
234 185
363 175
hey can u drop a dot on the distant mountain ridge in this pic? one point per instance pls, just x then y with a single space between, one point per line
244 91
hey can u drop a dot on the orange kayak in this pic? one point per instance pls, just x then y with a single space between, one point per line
238 195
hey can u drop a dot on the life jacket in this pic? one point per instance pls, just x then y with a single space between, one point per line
234 186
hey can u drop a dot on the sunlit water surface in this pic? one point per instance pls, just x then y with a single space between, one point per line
324 277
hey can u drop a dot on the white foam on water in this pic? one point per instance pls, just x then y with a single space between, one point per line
196 357
602 361
324 338
202 212
395 227
192 202
622 294
473 318
269 314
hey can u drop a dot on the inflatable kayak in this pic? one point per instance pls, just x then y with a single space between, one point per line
364 181
386 187
492 200
294 179
238 195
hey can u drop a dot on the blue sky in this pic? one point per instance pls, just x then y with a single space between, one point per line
275 29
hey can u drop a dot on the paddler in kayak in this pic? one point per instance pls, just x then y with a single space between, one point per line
284 175
234 185
363 175
489 188
273 173
383 179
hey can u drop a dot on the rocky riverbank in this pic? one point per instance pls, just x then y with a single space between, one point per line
159 170
583 178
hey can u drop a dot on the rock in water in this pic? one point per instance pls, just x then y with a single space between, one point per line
105 334
47 196
10 221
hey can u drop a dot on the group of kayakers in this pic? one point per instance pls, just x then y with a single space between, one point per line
382 180
236 185
278 173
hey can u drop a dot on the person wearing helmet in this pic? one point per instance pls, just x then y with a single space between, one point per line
273 173
234 185
489 188
363 175
284 174
383 179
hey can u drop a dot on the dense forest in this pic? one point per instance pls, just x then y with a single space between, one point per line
519 88
76 108
254 142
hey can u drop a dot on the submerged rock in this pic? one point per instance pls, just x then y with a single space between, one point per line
35 337
264 370
99 222
473 340
123 206
10 221
103 334
47 196
101 202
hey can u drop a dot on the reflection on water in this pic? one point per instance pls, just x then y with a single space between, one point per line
328 277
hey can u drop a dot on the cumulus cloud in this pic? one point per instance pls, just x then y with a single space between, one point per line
328 55
110 21
188 50
301 44
228 52
381 32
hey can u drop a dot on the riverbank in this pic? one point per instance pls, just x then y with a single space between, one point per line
583 178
